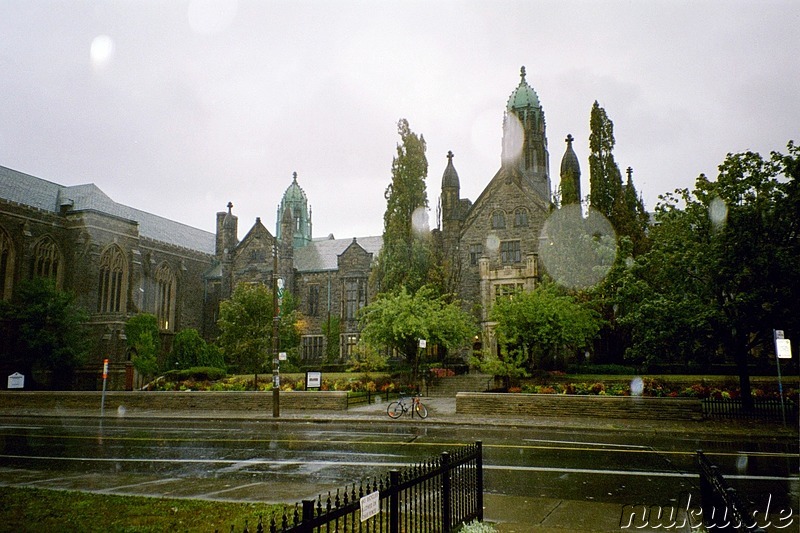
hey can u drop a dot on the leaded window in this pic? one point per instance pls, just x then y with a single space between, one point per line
165 297
47 260
475 253
6 266
313 300
510 252
312 347
521 217
113 281
349 342
498 219
355 298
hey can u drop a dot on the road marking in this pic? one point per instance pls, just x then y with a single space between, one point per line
285 462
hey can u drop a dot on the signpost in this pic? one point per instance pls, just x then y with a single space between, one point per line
783 350
103 398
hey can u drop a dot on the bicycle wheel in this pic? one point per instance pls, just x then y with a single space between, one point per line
422 411
395 410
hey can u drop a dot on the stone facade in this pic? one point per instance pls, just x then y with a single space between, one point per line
120 261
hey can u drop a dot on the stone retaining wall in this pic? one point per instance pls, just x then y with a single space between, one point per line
172 401
564 405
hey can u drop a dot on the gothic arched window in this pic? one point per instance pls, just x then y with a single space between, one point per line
113 281
6 265
498 219
165 297
521 217
47 260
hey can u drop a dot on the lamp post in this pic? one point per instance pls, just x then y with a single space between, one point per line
276 377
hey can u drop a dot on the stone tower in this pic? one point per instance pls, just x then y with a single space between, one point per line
525 139
295 200
570 175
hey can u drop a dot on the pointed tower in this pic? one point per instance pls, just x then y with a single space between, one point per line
525 139
227 240
295 200
451 191
286 246
570 175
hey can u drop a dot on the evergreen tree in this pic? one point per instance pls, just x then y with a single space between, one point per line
605 180
405 257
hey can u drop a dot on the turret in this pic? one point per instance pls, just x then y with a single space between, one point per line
570 175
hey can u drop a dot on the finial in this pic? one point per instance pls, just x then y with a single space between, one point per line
629 171
569 138
230 206
450 156
522 73
294 176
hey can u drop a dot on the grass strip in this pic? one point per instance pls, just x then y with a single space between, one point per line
30 509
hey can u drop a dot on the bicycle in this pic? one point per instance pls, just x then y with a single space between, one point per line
402 406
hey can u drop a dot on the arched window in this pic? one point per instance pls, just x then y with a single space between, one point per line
165 297
113 281
498 219
521 217
6 265
47 260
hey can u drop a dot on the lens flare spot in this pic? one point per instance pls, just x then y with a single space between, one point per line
419 220
101 51
637 386
513 138
718 212
492 243
577 251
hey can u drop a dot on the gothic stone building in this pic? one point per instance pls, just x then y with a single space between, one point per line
120 261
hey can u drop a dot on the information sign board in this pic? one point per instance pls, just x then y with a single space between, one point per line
370 505
313 380
783 347
16 381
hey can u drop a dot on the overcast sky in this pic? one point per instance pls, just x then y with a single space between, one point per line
177 107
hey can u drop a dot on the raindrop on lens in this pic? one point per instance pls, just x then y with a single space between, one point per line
637 386
101 51
419 220
717 212
492 243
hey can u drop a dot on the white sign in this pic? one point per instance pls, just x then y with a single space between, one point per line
282 356
423 343
370 505
16 381
313 380
783 347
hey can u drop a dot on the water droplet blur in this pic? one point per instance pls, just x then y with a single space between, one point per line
209 17
513 139
577 251
741 464
718 213
101 51
637 386
419 220
121 410
492 243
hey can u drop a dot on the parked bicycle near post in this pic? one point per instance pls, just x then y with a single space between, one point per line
407 403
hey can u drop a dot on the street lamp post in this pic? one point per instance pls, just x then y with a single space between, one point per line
276 377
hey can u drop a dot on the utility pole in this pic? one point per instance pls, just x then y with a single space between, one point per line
276 377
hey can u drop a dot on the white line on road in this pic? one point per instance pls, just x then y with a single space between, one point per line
283 463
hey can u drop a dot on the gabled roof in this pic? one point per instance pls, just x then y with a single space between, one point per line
45 195
321 254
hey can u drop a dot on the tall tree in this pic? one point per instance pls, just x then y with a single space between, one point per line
405 258
142 338
545 325
605 180
724 267
44 333
246 323
399 320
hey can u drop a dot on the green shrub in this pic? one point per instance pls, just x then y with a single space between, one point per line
477 527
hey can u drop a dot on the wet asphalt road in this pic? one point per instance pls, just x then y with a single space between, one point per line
285 462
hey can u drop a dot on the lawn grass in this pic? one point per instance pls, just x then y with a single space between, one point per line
30 509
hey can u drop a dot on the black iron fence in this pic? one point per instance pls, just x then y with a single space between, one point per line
723 509
762 408
431 497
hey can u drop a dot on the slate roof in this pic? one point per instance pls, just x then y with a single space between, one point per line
321 254
41 194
